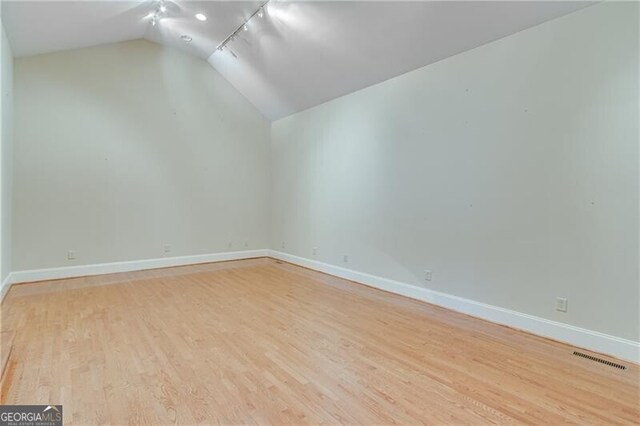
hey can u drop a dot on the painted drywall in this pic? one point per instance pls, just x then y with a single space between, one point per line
510 171
6 152
124 148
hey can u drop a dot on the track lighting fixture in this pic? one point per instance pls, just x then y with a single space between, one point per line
244 27
157 14
161 9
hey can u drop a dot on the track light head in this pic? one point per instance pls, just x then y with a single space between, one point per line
244 27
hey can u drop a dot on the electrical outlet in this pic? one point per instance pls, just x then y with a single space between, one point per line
71 255
246 243
427 275
345 258
230 244
561 304
283 245
166 248
314 251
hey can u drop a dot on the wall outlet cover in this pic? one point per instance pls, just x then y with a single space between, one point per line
561 304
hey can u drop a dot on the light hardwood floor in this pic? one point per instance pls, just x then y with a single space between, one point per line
260 341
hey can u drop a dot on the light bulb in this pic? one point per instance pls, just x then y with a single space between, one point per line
261 12
245 28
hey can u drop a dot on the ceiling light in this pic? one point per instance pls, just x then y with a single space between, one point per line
201 17
185 38
163 8
243 27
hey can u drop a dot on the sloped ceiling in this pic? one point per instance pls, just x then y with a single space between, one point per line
300 54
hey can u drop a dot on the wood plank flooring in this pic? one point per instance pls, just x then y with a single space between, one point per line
258 341
6 344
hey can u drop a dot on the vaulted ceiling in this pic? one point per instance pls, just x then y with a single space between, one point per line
299 54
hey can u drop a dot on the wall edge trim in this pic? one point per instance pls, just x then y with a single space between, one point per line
618 347
129 266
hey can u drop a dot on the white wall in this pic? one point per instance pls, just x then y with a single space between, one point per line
123 148
510 171
6 152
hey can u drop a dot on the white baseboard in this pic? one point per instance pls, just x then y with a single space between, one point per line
580 337
128 266
4 287
599 342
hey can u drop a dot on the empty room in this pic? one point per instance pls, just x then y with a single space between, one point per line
319 212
